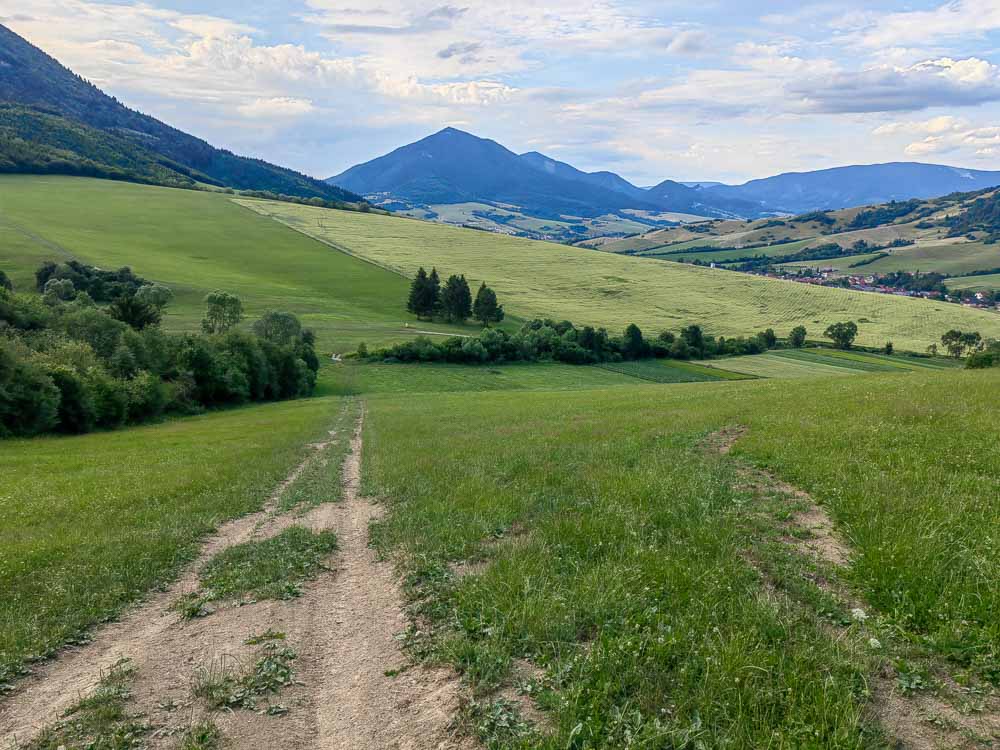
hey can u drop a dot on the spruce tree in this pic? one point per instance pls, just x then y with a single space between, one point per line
485 309
419 292
433 293
456 299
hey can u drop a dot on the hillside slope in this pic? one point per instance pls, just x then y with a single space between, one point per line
564 282
31 78
196 242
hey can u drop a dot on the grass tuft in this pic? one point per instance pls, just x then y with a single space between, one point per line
273 568
227 685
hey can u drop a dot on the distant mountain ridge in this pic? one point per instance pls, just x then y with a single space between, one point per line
54 121
453 166
858 185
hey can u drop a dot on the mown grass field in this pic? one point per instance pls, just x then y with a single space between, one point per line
548 280
619 551
91 523
196 242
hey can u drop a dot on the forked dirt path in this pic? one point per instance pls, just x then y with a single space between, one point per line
915 722
344 630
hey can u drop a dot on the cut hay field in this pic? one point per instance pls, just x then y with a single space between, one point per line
196 242
587 287
586 545
92 523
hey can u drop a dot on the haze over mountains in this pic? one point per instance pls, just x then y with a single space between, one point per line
452 166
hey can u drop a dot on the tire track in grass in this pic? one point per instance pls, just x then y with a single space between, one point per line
919 721
352 687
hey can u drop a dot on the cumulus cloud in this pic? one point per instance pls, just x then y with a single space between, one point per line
943 134
931 83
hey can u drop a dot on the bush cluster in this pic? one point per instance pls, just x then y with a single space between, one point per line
70 366
548 340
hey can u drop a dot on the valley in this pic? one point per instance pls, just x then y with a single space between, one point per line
470 449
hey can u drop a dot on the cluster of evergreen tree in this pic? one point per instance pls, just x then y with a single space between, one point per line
452 302
68 364
548 340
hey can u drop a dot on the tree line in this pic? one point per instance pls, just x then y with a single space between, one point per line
453 302
563 341
71 364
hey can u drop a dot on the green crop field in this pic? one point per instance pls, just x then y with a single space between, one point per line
588 287
625 563
670 371
776 365
957 258
979 283
93 522
196 242
725 256
432 378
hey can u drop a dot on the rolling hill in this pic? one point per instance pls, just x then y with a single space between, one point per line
53 121
953 235
536 279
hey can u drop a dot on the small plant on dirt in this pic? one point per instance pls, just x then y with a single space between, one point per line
912 678
273 568
100 720
204 735
496 723
228 686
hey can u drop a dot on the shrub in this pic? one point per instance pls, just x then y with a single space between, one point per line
29 400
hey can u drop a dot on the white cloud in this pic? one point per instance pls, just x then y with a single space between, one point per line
958 18
277 107
929 83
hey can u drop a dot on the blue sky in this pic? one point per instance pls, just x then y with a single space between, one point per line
714 89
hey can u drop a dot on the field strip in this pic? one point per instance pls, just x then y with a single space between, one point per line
343 630
920 722
54 686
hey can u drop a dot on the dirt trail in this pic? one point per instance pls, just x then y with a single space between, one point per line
54 686
343 628
918 722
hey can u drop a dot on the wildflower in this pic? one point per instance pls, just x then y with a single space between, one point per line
874 643
858 614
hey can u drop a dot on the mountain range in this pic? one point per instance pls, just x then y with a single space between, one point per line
452 166
54 121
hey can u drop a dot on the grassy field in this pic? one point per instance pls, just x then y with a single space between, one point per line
547 280
352 378
91 523
670 371
619 552
947 259
776 365
196 242
978 283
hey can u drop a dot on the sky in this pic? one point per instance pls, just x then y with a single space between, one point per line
710 90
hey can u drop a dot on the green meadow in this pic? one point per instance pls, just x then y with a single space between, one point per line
196 242
608 550
537 279
92 523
